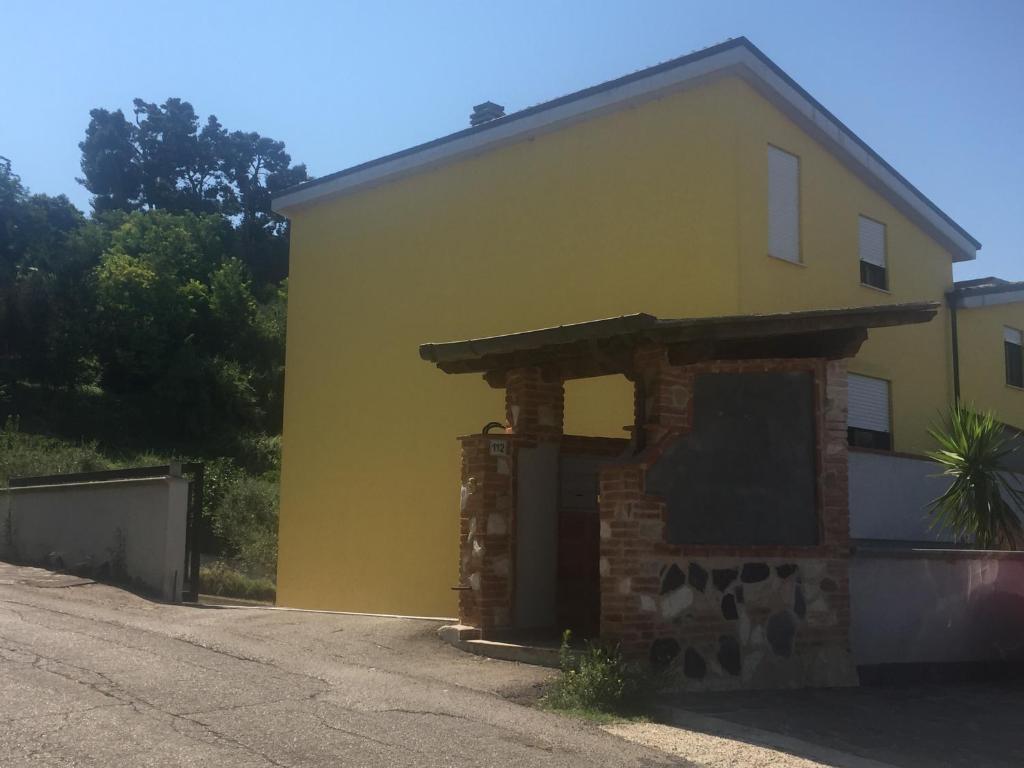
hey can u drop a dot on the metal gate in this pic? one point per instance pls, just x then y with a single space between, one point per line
194 528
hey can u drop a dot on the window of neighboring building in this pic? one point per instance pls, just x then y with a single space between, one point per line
783 205
873 270
868 418
1013 344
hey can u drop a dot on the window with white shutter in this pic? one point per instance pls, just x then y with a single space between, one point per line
1013 348
873 267
783 205
868 416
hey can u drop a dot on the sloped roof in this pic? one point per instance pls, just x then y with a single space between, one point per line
737 56
600 347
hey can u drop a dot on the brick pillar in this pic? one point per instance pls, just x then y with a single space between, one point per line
534 406
486 520
662 394
631 527
835 491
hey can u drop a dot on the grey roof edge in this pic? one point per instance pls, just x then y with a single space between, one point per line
290 198
641 325
967 296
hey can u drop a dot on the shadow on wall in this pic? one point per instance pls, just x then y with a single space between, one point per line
936 606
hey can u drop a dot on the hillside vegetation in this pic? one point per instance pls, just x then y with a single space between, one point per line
153 328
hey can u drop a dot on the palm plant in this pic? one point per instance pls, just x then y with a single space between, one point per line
982 501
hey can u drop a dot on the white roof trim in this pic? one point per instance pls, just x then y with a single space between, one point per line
1010 296
739 59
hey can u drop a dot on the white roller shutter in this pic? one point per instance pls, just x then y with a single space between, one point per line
868 403
872 241
783 205
1013 336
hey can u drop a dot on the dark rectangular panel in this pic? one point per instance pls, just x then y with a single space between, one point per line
747 472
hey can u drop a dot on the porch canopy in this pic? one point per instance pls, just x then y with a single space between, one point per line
605 347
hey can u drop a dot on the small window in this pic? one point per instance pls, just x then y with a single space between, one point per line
868 419
873 270
783 205
1013 345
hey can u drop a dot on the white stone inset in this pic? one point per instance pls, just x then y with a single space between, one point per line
676 602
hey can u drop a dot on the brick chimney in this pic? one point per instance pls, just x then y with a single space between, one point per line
484 113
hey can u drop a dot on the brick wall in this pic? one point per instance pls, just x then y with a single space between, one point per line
534 408
726 616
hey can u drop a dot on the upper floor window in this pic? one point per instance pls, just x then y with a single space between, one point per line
868 421
873 270
783 205
1013 344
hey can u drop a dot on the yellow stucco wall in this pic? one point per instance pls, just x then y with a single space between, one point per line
658 208
915 359
982 381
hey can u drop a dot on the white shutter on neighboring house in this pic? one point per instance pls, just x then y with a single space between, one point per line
872 241
868 406
783 205
1013 336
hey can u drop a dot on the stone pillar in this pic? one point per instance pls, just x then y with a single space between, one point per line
534 406
486 520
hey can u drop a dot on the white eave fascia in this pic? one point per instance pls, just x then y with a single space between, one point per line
738 59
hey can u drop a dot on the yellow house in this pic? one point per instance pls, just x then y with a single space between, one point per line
708 185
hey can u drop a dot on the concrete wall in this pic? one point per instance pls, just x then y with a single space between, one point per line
889 497
936 606
125 529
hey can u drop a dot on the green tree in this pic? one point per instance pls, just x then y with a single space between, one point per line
982 502
44 267
165 161
110 162
152 293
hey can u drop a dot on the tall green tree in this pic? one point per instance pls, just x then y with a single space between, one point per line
166 161
111 168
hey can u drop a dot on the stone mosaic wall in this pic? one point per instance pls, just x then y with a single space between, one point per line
718 617
729 622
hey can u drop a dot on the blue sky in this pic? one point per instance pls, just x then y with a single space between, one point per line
937 88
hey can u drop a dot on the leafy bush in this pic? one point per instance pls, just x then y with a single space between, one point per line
246 518
594 680
221 579
23 454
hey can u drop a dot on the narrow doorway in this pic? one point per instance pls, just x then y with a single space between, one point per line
579 545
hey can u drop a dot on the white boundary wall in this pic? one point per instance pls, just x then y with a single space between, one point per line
889 497
133 525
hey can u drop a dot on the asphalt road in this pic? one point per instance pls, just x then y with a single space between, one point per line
94 676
